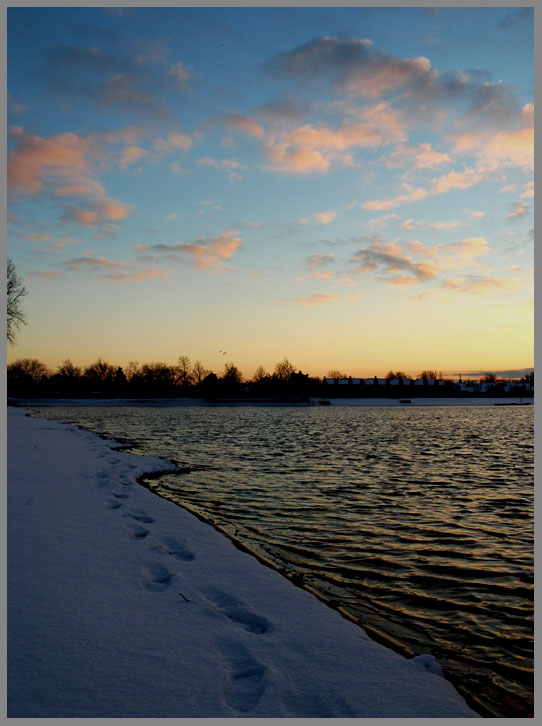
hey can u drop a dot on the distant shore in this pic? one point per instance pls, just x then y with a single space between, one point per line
180 402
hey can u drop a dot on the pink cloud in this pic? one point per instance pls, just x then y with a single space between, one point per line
36 159
174 140
453 180
180 73
244 124
421 156
317 298
297 161
91 263
315 261
507 148
520 210
131 155
97 213
308 148
484 286
210 254
47 274
150 274
456 255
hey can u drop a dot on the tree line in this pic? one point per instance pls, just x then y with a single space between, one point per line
31 378
27 377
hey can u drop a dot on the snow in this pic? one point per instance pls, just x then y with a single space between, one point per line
122 604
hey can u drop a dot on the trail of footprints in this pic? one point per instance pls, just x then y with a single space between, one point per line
244 677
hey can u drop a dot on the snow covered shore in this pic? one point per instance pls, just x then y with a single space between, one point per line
122 604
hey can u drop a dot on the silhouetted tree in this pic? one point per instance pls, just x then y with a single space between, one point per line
488 378
158 377
15 291
232 374
67 379
336 374
283 370
199 373
26 376
528 378
260 374
67 370
184 372
426 375
120 379
398 374
210 386
100 375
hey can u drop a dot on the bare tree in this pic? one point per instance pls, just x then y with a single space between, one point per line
67 370
426 375
336 374
232 374
27 370
15 291
184 372
260 374
100 373
284 370
199 372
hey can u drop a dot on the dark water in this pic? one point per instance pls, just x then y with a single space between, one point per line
417 521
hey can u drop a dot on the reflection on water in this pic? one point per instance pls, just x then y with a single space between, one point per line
417 521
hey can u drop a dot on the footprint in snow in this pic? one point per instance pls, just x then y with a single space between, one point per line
138 532
140 516
238 612
156 577
113 504
244 681
176 548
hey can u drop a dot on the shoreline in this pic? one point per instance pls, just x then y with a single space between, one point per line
333 402
267 623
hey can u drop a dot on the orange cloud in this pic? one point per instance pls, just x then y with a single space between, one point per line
507 148
484 286
296 161
317 298
378 205
36 159
91 263
130 155
307 148
520 209
150 274
453 180
97 213
206 254
456 255
244 124
174 140
420 156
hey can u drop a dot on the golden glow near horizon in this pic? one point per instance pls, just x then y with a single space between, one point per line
317 185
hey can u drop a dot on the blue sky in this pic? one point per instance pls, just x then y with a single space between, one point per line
348 187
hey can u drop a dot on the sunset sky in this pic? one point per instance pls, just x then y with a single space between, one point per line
348 187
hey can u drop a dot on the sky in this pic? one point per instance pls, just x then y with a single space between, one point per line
350 188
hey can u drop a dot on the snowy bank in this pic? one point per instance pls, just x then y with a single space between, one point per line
122 604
